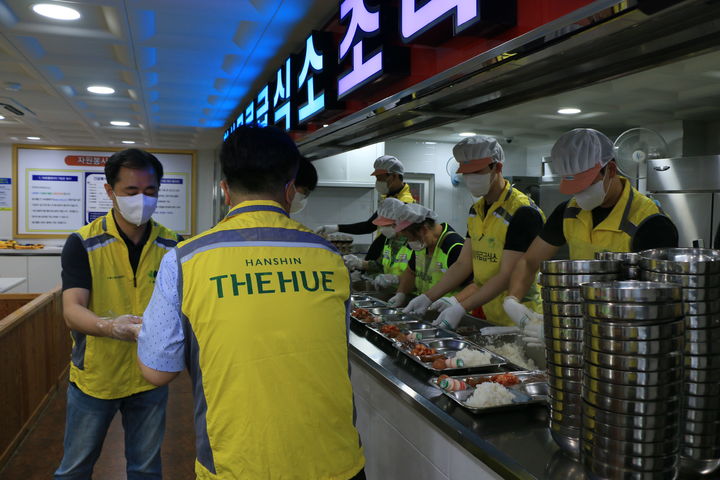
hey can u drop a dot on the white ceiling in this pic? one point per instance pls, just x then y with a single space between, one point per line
685 90
179 67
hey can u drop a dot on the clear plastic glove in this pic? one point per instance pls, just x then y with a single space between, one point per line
352 262
418 305
356 276
519 313
534 333
327 229
398 300
124 327
443 303
386 280
450 317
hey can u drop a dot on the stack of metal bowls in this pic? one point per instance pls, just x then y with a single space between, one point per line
629 263
698 271
633 379
562 315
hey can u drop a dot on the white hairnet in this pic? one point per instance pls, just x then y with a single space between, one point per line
579 150
413 213
388 164
390 208
475 153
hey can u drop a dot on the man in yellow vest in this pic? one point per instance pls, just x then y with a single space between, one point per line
108 274
502 225
257 308
436 247
389 183
606 213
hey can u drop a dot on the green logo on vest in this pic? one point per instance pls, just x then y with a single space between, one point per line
259 283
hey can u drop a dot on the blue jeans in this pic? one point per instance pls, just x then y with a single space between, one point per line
87 422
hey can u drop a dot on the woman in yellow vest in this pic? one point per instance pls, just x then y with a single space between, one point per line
436 246
502 225
605 213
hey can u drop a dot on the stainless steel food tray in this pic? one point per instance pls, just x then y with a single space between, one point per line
449 347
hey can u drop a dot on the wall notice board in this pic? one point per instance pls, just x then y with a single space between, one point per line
57 190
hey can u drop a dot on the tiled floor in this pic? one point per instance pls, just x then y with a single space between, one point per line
41 451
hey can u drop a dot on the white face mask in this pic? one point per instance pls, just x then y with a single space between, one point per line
389 232
478 183
136 209
591 197
416 245
299 203
381 187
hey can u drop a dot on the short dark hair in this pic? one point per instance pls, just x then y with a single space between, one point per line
258 159
307 175
134 158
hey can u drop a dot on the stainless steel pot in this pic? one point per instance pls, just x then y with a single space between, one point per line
562 371
552 321
633 392
627 258
633 363
563 346
632 407
639 449
701 308
681 260
711 335
702 321
563 309
636 347
631 291
630 421
574 280
565 359
702 362
622 377
687 281
560 267
561 295
633 311
700 294
567 334
702 416
623 331
702 375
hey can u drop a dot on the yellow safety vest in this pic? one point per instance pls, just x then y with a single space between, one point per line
395 255
104 367
615 233
487 235
265 306
428 272
403 195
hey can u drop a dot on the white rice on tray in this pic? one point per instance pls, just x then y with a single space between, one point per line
473 358
489 394
512 352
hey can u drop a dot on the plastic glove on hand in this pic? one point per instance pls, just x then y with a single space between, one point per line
533 334
356 276
443 303
398 300
519 313
385 280
418 305
124 327
450 317
327 229
352 262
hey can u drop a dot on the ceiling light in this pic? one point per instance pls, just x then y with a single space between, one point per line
467 134
128 142
325 125
33 138
120 123
569 111
100 90
2 118
430 143
58 12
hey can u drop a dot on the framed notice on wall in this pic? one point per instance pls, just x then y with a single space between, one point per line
59 189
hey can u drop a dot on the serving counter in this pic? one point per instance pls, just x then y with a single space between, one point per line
411 430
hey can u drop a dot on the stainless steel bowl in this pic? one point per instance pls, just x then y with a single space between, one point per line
711 335
636 347
569 386
700 453
562 371
632 407
631 291
638 449
565 359
568 334
630 421
703 348
622 377
552 321
699 467
628 258
563 346
700 294
574 280
561 295
569 399
697 402
681 260
699 441
623 331
599 470
567 443
633 392
704 416
702 362
702 375
571 419
633 311
702 321
560 267
687 281
701 428
563 309
633 363
701 308
630 273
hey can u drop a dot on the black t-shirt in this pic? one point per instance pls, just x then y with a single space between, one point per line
375 250
657 231
448 246
524 226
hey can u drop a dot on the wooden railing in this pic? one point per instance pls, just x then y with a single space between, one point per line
34 356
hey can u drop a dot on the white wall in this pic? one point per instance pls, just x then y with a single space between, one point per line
204 190
6 172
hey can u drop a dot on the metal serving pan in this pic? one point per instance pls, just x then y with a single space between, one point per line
627 258
623 331
687 281
567 398
573 414
566 334
382 311
702 428
703 348
702 376
630 421
449 347
699 441
681 260
632 407
396 317
633 363
432 333
697 402
404 328
564 372
561 295
592 429
703 335
698 415
637 347
700 294
574 280
563 346
597 470
559 267
564 359
552 321
633 311
360 298
563 309
527 358
622 377
633 392
703 362
635 449
701 308
702 321
631 291
369 303
569 386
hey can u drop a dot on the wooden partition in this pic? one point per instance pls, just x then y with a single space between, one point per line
34 355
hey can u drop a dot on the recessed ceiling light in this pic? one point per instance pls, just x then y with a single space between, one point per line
128 142
569 111
120 123
58 12
2 118
467 134
325 125
100 89
430 143
33 138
